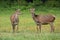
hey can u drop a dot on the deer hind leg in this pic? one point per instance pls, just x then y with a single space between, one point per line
13 27
52 26
40 27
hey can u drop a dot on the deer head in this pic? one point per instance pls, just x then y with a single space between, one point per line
32 10
18 11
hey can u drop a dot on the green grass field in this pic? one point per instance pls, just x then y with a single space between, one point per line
27 27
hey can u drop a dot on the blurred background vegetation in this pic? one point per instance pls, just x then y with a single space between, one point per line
24 4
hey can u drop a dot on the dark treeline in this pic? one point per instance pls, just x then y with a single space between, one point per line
9 3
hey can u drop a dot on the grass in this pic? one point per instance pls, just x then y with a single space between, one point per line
29 36
27 27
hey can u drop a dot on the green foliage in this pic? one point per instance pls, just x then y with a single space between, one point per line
12 3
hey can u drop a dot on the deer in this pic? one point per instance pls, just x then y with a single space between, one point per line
15 19
43 19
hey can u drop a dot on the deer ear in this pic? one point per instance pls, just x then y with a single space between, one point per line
30 9
34 9
18 9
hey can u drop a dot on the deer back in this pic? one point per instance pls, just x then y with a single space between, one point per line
46 18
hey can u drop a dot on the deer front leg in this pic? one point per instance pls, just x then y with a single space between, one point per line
52 26
17 23
16 27
37 27
40 27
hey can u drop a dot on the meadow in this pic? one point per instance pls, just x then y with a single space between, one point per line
27 27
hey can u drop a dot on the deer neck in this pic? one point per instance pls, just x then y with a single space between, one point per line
16 15
33 15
